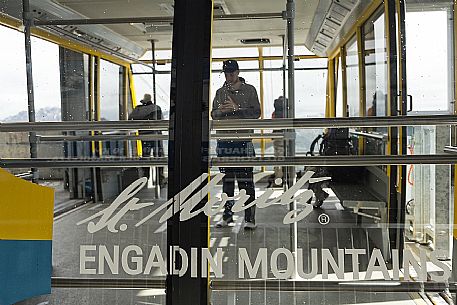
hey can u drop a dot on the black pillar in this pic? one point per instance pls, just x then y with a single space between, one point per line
395 207
28 23
189 136
401 23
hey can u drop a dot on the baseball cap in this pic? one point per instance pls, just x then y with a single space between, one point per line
230 66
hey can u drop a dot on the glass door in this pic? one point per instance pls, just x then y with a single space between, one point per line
430 92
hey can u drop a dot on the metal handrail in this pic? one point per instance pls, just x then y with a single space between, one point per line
161 19
450 149
102 138
234 161
236 136
335 286
107 283
373 160
432 120
335 122
82 162
260 285
152 137
241 70
376 136
84 126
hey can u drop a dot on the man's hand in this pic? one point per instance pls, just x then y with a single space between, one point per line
229 105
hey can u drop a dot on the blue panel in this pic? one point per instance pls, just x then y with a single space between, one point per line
25 269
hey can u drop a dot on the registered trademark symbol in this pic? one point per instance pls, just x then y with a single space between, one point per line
323 219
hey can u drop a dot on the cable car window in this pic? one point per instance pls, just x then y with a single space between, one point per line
352 78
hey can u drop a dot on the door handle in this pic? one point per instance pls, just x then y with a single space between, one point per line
410 103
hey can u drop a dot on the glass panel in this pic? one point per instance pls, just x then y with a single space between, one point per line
48 107
242 64
273 64
278 51
353 81
47 99
314 241
339 89
273 88
144 85
160 54
429 69
273 51
45 58
430 85
251 78
352 218
144 82
147 68
164 67
92 296
311 63
317 297
61 243
310 93
109 91
235 52
302 50
375 66
375 54
14 85
110 110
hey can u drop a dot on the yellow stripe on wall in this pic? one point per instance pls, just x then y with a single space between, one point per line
26 209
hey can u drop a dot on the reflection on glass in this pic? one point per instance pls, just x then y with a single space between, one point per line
251 78
311 63
273 88
143 84
13 80
310 92
428 190
353 81
375 55
159 54
110 104
284 296
428 68
45 58
235 52
109 91
339 89
92 296
236 99
375 66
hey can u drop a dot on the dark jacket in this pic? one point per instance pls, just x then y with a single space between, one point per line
147 111
248 103
279 112
246 98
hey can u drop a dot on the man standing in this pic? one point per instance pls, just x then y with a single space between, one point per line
236 100
278 144
149 111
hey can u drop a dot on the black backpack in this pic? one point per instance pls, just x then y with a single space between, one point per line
335 142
